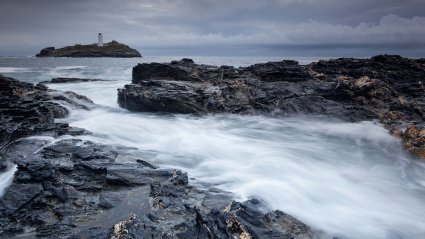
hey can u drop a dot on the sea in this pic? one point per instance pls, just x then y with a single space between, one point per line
350 180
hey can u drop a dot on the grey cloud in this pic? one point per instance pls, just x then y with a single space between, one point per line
194 25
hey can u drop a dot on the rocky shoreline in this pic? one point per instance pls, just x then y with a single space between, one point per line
386 88
66 187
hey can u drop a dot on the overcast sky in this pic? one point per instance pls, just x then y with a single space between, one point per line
217 27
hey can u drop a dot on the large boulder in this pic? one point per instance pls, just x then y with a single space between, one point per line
346 88
366 85
237 220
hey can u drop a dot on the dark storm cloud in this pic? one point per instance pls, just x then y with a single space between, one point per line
213 26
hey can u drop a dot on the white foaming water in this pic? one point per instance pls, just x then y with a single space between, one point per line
6 178
12 69
351 180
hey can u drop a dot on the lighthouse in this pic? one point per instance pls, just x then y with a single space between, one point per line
100 40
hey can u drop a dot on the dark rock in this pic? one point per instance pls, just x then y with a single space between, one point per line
239 220
400 73
81 189
414 139
280 71
3 166
46 51
127 177
57 193
187 60
69 80
26 109
35 171
346 88
178 71
20 195
108 201
58 230
87 199
146 164
111 49
75 131
42 218
164 99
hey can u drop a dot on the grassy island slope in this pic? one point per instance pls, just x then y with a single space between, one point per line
111 49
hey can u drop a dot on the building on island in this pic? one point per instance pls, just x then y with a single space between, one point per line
100 40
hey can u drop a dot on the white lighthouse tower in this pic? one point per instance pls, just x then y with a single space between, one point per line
100 40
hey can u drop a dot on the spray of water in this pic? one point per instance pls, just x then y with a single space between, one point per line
6 178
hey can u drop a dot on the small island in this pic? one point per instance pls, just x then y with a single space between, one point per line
111 49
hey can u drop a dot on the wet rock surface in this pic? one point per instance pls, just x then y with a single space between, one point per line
26 109
414 139
238 220
68 187
386 88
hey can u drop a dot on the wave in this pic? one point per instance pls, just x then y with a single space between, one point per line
352 180
13 69
6 178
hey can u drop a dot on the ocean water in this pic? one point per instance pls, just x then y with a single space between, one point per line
350 180
6 178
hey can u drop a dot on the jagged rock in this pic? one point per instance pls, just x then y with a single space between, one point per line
346 88
148 71
372 85
26 109
35 171
58 193
111 49
402 74
414 139
239 220
62 190
286 70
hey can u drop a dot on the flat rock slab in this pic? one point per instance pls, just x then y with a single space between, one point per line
18 195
